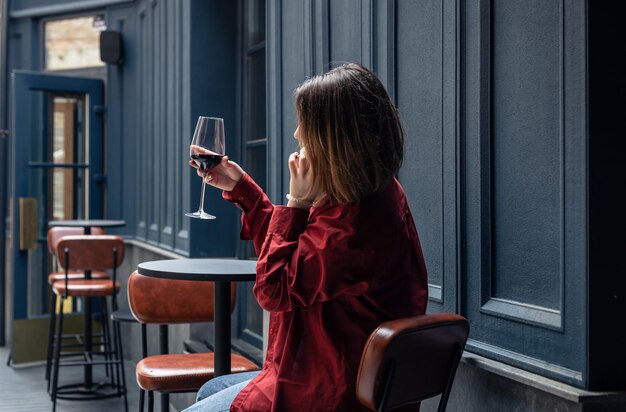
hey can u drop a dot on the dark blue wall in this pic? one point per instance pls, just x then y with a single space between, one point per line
495 99
180 64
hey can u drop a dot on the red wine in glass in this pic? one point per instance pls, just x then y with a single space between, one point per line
206 161
207 150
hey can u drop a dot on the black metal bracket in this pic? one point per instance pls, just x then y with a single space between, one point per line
100 178
99 110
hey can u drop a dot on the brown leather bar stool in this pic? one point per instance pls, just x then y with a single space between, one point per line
167 301
408 360
87 253
54 235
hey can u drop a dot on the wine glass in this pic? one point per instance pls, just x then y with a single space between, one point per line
207 150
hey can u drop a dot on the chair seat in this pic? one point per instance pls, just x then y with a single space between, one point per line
96 274
183 372
85 287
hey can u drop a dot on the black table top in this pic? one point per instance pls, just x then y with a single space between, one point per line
87 223
200 269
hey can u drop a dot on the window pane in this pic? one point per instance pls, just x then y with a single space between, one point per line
63 152
67 196
73 43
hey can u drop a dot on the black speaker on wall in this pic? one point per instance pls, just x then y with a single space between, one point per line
111 47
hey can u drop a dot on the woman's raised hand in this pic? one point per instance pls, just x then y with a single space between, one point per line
301 183
224 175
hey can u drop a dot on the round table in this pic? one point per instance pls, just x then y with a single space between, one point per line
220 271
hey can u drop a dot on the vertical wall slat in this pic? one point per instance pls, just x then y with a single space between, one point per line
166 118
142 211
153 132
184 109
274 99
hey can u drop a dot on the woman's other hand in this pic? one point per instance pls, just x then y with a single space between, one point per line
224 176
301 183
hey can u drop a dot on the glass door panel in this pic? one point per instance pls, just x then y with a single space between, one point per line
63 152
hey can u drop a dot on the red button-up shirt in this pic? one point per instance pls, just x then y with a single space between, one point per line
328 276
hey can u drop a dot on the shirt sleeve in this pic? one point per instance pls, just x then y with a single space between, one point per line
301 264
257 210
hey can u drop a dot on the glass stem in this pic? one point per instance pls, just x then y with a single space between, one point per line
201 210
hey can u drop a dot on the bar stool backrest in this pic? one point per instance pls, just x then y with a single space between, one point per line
90 252
408 360
169 301
57 232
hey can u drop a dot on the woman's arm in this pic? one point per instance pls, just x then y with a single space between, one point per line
239 188
257 210
303 263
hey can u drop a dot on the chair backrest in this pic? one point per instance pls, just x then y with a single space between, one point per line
90 252
57 232
168 301
408 360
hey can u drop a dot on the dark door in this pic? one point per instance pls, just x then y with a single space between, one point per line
56 173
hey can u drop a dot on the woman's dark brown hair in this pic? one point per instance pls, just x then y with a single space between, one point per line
351 131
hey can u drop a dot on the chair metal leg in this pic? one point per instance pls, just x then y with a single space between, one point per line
142 394
57 359
120 354
443 402
106 340
383 401
150 401
164 346
113 343
144 341
51 337
144 354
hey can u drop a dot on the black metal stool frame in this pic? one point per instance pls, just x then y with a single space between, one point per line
72 391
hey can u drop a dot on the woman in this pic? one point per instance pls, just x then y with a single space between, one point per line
341 258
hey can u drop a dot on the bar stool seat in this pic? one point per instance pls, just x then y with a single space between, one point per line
85 287
183 372
72 275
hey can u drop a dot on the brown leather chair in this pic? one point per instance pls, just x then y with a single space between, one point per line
408 360
54 235
89 253
167 301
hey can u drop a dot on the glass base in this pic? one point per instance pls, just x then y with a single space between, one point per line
200 215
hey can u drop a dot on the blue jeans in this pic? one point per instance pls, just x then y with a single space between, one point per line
219 393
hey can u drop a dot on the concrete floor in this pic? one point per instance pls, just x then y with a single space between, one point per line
24 389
